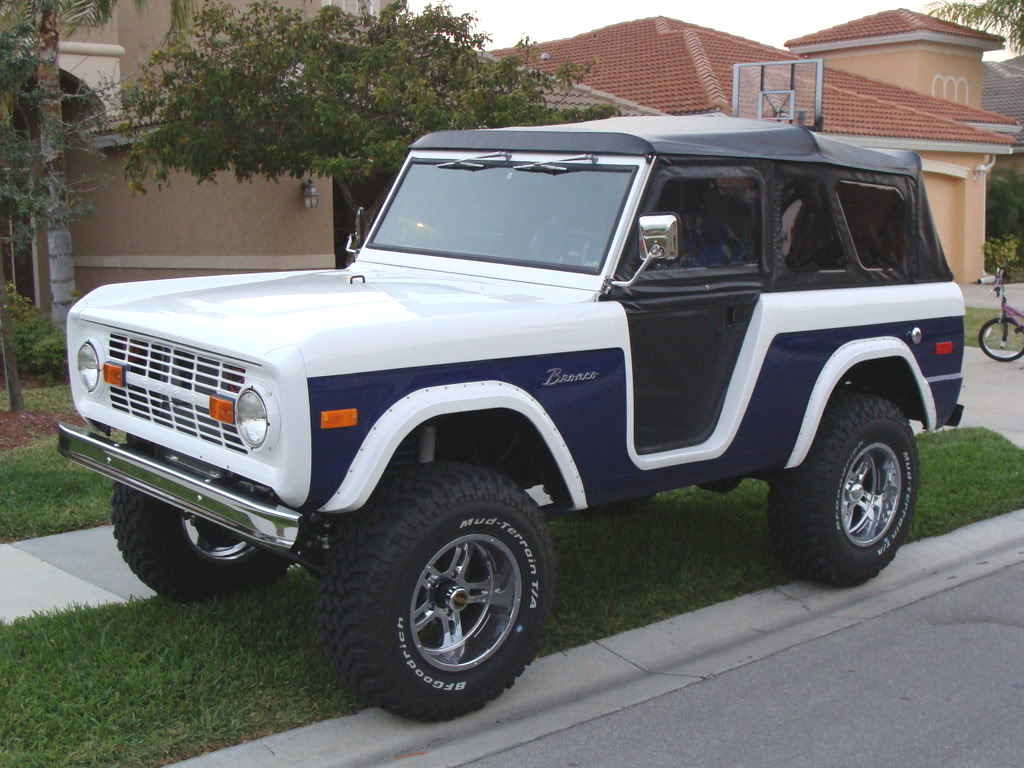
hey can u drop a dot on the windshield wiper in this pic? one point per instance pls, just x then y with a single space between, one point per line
553 169
472 165
550 168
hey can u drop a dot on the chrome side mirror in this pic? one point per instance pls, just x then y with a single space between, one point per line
355 240
659 241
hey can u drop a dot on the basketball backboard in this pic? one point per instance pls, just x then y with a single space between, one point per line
781 91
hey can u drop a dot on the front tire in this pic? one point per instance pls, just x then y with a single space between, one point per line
435 596
186 559
1001 340
840 517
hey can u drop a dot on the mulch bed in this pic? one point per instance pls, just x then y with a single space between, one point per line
16 429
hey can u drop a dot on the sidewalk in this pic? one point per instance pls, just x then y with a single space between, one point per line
84 567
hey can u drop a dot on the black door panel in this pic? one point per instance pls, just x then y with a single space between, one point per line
683 359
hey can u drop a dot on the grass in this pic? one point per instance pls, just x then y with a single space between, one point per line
973 321
41 493
55 399
150 681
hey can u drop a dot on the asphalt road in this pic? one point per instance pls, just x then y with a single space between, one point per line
939 682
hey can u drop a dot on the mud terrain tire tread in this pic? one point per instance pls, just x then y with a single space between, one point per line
803 501
153 543
355 621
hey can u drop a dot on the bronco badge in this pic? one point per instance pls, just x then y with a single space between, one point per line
555 376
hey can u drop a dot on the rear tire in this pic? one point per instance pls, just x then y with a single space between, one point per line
434 599
183 559
840 517
1001 340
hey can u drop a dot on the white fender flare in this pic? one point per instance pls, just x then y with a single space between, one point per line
423 404
842 360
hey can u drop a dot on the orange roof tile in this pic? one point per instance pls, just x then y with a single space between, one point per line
683 68
897 22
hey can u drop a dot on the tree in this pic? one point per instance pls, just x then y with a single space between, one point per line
52 19
1001 17
39 122
268 93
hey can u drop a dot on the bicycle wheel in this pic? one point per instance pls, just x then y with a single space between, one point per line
1001 340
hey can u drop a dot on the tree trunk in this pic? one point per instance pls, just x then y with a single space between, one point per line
58 234
15 401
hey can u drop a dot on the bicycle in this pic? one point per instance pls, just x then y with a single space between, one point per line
1002 338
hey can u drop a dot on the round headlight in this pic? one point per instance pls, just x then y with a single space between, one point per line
88 366
251 418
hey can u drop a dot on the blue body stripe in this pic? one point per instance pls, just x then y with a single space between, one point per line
591 414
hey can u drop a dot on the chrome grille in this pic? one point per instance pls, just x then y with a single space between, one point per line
170 385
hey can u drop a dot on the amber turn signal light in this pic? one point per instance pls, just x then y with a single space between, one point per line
348 417
113 374
222 409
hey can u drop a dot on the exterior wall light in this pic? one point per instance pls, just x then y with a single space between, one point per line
310 194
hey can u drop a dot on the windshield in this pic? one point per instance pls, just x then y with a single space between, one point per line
555 214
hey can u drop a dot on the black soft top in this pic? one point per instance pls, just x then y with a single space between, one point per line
713 135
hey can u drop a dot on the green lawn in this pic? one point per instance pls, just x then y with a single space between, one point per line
973 321
41 493
55 399
151 681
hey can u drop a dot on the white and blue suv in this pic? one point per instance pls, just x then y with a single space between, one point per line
540 320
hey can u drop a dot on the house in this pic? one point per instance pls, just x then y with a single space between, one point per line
893 80
1003 92
897 79
183 228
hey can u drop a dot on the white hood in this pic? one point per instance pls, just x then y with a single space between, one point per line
379 310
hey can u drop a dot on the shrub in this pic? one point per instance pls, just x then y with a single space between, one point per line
41 349
1004 252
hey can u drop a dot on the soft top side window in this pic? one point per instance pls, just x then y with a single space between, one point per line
810 238
876 215
719 220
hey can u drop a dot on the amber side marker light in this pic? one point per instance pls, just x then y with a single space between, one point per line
222 409
944 348
348 417
113 374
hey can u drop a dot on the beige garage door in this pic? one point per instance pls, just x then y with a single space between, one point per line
944 195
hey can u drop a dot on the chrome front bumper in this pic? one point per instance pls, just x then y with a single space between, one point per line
273 527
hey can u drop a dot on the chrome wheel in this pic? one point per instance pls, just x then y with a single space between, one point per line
465 602
871 494
213 542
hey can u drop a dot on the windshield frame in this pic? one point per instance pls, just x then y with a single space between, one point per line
589 278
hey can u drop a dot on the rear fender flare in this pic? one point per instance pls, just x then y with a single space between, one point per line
842 360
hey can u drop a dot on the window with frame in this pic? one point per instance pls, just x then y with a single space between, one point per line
719 220
876 215
810 237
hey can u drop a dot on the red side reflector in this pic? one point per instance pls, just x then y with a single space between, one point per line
113 374
944 348
222 409
348 417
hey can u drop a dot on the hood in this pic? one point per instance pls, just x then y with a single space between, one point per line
250 315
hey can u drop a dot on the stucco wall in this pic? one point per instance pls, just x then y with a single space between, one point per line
140 31
190 228
915 66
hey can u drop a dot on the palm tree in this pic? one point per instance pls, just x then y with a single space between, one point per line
1002 17
52 19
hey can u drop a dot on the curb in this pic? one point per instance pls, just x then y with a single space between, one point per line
564 689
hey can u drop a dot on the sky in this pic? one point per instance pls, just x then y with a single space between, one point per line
773 23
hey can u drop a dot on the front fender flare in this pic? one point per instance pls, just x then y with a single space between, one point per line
417 407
